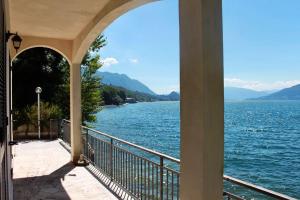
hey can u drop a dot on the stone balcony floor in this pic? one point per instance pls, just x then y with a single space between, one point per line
42 170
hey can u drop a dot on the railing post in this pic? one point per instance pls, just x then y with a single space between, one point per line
111 159
87 144
161 165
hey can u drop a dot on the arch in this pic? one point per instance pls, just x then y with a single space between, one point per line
106 16
63 47
43 46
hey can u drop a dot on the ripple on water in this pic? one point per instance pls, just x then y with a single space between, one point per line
261 138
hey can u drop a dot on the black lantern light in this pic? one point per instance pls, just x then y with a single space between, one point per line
16 40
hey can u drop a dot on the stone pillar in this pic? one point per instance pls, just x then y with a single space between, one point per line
202 99
75 112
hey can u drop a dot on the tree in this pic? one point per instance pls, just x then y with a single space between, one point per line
37 67
48 69
90 82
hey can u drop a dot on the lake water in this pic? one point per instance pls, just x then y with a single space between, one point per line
262 138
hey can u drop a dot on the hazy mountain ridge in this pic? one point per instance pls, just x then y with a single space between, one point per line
230 93
235 93
291 93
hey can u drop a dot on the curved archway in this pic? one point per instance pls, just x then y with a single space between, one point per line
103 19
63 47
41 46
46 68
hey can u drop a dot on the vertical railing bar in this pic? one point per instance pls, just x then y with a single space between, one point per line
129 172
132 171
105 155
145 180
157 185
134 158
149 185
113 162
126 170
161 177
139 177
96 152
172 186
167 192
111 159
107 159
117 165
86 143
123 171
92 149
102 156
128 161
122 168
152 179
177 186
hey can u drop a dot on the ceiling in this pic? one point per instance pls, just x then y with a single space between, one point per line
52 18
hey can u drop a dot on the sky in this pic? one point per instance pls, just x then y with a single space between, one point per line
261 44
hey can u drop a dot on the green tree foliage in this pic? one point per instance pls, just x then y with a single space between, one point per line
29 115
48 69
90 82
112 95
37 67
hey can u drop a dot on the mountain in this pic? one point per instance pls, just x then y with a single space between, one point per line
122 80
173 96
292 93
235 93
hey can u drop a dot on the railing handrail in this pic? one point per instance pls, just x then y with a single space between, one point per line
135 145
259 189
239 182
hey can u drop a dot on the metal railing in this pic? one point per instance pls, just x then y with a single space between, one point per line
65 131
249 190
147 174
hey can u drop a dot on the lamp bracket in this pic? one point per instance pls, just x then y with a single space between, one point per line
8 34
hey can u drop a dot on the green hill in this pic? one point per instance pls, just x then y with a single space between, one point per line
113 95
122 80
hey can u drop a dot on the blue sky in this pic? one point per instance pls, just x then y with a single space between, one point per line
261 44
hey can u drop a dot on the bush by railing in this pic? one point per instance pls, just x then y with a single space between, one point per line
49 130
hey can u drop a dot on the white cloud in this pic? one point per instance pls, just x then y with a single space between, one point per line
109 61
258 85
134 60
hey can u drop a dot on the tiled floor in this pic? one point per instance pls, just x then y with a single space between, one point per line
42 171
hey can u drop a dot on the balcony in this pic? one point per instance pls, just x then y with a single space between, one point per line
43 171
117 169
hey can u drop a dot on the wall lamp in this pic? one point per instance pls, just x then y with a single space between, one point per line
16 39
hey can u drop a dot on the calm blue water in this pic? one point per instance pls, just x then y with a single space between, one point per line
262 139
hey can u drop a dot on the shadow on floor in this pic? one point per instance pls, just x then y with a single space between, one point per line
114 188
43 187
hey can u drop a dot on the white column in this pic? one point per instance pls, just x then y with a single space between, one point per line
75 112
202 99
